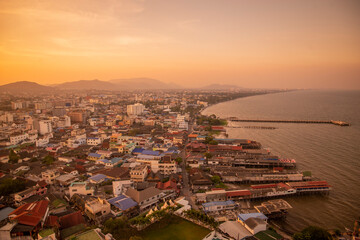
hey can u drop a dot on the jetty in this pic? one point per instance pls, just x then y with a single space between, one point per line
339 123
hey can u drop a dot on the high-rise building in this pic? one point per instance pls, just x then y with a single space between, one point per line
45 127
135 109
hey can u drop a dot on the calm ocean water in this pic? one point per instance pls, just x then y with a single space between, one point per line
330 152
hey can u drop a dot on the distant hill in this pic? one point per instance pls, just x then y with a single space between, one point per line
25 88
87 85
142 84
220 87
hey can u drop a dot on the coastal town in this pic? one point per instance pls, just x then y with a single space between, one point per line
132 165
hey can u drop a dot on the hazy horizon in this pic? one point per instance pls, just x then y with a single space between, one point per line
251 44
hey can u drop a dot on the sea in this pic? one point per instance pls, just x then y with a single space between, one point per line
330 152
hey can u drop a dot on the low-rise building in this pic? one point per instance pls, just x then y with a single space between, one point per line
123 205
93 141
97 209
139 173
81 188
218 206
253 222
148 197
49 176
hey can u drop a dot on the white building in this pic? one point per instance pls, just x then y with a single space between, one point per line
93 141
45 127
42 142
76 141
6 117
181 122
120 187
81 188
135 109
17 138
16 105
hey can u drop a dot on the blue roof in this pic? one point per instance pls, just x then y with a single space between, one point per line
94 155
98 177
173 148
150 152
138 150
122 202
103 160
141 156
218 203
245 216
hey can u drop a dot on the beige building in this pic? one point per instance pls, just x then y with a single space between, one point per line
97 209
81 188
139 173
49 176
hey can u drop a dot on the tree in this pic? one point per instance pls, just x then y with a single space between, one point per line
312 233
213 142
208 139
48 160
136 238
9 186
13 157
216 179
178 160
208 155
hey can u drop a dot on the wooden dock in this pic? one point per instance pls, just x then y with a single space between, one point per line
339 123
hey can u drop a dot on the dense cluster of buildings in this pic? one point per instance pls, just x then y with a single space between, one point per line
78 161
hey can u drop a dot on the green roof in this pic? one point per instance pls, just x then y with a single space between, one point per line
307 174
72 230
268 235
46 232
89 235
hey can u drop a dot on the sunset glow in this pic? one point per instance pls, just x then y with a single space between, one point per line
267 44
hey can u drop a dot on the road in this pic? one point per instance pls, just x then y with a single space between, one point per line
186 191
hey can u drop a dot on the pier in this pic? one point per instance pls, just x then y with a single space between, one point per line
339 123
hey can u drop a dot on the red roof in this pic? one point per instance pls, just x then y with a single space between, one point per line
283 185
263 186
52 221
217 127
30 213
71 220
28 220
238 193
167 185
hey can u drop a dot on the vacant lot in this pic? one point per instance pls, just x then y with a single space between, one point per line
174 228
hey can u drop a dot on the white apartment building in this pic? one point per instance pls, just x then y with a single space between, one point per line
94 141
45 127
17 138
139 173
135 109
7 117
165 168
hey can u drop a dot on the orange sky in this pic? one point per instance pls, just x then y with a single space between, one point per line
253 43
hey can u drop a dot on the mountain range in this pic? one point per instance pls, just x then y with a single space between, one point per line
26 88
118 84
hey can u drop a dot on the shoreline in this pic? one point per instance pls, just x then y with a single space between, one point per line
257 94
